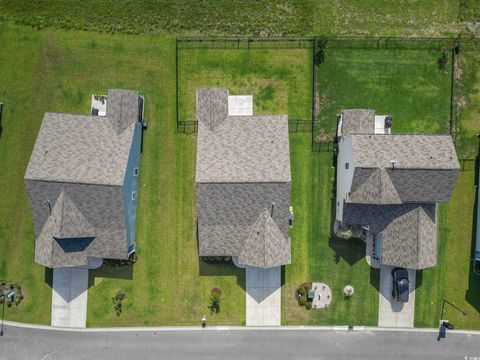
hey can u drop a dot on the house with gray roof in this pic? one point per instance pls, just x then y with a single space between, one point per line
242 181
82 183
390 185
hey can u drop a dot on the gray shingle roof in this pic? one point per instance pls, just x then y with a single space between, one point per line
101 207
78 164
243 165
265 246
123 108
85 149
410 151
244 149
212 106
226 213
358 121
409 231
425 171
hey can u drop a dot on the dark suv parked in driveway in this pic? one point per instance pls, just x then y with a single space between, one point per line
401 285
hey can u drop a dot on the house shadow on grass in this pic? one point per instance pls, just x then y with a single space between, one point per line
124 272
351 250
206 269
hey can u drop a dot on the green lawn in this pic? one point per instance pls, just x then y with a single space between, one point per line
248 17
408 84
468 102
452 279
317 255
280 81
58 71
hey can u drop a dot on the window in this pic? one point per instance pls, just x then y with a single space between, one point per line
135 171
134 195
347 165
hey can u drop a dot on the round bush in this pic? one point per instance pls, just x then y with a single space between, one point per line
302 301
308 305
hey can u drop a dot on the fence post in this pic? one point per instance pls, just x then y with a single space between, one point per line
314 80
176 79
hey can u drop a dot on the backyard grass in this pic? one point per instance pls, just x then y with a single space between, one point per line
280 81
468 102
58 71
407 84
453 279
248 17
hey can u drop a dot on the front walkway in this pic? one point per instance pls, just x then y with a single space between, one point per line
263 296
391 313
69 297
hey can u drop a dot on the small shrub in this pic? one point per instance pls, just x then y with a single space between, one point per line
308 305
442 60
301 293
117 301
215 298
216 291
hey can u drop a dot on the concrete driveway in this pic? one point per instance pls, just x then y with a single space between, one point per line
263 296
391 313
69 297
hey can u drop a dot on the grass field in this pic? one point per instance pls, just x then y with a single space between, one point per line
248 17
58 71
407 84
280 82
468 104
453 279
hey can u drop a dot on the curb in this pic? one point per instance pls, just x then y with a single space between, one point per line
343 328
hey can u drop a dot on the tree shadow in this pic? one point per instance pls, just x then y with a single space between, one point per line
472 295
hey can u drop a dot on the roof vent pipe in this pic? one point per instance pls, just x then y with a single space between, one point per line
273 207
393 162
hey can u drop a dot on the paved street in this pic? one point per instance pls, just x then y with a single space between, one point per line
391 313
28 344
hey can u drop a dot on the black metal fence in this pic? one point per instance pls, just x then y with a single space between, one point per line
468 164
341 42
450 45
323 146
299 126
243 43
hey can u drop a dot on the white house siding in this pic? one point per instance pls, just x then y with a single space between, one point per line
344 176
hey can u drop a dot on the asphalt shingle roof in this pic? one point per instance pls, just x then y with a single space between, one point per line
243 166
411 151
244 149
409 231
358 121
78 164
426 169
265 246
